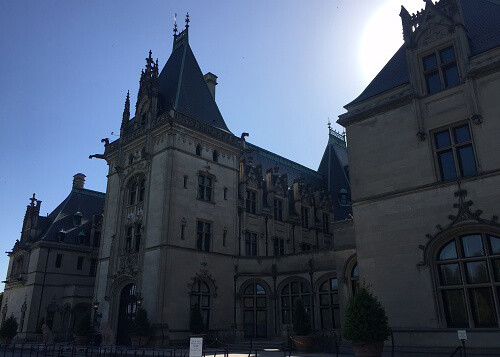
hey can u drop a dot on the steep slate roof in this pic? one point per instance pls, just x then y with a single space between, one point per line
87 202
335 162
293 170
482 21
181 86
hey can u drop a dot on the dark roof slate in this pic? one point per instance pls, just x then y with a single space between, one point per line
482 21
293 170
85 201
181 86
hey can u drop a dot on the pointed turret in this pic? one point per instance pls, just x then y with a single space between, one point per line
126 112
182 86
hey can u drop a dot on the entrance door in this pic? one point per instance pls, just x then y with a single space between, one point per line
128 307
255 311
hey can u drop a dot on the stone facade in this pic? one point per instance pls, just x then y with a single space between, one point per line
431 186
51 272
197 214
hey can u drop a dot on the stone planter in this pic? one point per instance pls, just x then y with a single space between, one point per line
139 341
303 343
374 349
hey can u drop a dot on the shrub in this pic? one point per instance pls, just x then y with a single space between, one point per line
9 327
301 325
196 325
365 318
83 326
140 324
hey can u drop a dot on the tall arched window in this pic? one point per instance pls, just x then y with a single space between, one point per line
136 190
468 279
329 304
290 294
132 194
200 294
354 279
255 311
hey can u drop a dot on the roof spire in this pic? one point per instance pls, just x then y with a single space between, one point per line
187 20
329 125
175 24
126 111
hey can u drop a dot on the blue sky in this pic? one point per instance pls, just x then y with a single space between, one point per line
284 68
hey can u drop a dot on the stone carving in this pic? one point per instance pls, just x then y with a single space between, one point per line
128 264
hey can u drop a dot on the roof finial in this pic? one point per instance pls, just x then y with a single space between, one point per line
175 24
187 20
33 199
329 124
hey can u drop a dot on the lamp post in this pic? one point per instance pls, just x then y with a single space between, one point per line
97 322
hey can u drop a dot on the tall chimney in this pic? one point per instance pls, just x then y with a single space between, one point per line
211 81
78 180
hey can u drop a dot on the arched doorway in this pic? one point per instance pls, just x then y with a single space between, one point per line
128 307
255 311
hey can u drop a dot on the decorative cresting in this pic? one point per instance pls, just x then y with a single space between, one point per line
465 216
205 276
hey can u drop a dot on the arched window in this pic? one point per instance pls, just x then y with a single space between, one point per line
142 190
132 194
255 311
200 294
468 279
329 304
136 190
354 279
290 294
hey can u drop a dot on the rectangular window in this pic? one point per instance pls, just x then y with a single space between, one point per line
205 184
97 239
326 223
250 244
185 182
454 152
440 70
251 201
305 217
278 209
93 267
138 233
203 235
59 260
279 246
128 238
79 263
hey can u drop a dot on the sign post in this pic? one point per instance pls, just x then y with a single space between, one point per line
462 336
195 347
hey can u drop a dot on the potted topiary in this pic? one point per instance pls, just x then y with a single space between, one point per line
83 330
196 325
140 329
302 328
365 324
8 330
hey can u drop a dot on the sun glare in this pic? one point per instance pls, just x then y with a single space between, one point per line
383 35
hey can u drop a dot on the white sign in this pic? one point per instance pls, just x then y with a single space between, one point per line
462 334
195 346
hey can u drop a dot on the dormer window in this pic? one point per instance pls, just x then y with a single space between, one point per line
60 235
77 218
343 197
81 238
440 70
